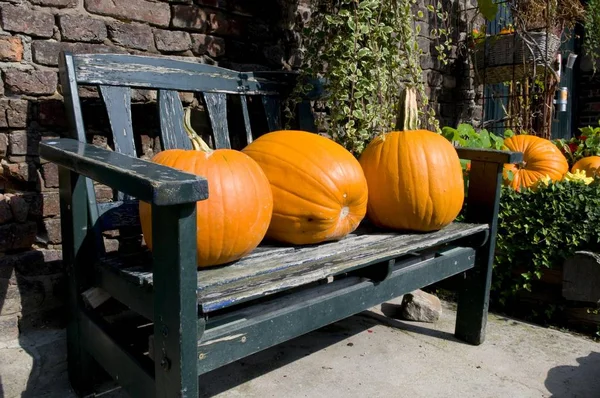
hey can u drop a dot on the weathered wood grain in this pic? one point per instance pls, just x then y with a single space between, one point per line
254 328
272 111
142 179
272 269
246 115
118 107
170 111
216 105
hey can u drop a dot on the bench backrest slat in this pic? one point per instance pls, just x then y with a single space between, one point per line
116 75
216 106
170 110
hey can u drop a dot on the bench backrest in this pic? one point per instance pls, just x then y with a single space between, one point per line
116 75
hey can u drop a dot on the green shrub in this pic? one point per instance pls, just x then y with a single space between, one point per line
540 229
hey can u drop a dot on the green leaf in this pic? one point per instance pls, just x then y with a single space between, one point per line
488 9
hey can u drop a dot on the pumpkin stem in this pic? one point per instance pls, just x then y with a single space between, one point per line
197 142
408 113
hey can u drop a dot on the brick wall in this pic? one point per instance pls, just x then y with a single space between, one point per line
236 34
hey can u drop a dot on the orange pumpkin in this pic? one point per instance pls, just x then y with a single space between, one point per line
236 215
590 164
540 158
319 189
415 180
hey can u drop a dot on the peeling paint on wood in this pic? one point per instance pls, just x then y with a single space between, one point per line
216 104
271 269
173 135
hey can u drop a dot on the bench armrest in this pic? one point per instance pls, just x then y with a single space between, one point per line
147 181
489 155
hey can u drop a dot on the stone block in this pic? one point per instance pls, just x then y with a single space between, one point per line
50 175
45 52
420 306
55 3
189 17
19 207
31 82
155 13
172 41
17 236
16 113
79 28
206 44
11 49
52 226
3 145
35 262
6 214
22 19
136 36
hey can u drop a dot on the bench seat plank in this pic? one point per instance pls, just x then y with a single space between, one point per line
272 269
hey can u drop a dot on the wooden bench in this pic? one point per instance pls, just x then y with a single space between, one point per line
201 320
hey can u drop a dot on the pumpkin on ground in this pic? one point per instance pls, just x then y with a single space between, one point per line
235 217
415 180
590 164
541 158
319 189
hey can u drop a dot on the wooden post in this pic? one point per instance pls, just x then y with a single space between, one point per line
483 201
175 300
75 245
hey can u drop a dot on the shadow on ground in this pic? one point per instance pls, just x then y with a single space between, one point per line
254 366
582 380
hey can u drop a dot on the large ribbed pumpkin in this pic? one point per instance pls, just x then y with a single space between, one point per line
415 180
319 189
236 215
541 158
590 164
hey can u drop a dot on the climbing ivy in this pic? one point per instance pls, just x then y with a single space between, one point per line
365 52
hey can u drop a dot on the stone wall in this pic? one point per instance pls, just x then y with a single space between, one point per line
237 34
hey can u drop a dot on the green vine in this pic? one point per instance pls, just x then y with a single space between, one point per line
366 52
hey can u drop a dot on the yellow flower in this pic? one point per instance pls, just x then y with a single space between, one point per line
578 175
542 182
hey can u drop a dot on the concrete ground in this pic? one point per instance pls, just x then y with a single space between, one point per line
368 355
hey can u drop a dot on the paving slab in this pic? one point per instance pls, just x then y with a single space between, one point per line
365 355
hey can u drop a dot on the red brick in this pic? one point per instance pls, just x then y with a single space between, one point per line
206 44
11 49
189 17
45 52
19 207
21 171
52 226
55 3
31 82
137 10
3 145
79 28
50 175
52 113
172 41
17 236
136 36
16 113
50 204
222 24
25 20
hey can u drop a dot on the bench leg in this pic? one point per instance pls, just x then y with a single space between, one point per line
473 301
74 213
483 201
175 301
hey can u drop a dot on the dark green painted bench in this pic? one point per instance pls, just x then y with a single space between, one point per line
205 319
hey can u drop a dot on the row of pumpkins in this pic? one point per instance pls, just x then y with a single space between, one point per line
302 188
